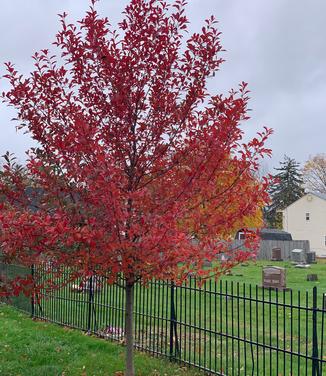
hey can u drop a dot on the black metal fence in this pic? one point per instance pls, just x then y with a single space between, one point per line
223 328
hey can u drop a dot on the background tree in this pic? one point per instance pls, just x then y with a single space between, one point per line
252 215
286 188
131 146
314 174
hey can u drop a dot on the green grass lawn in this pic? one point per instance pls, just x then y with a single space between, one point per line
209 320
34 348
296 278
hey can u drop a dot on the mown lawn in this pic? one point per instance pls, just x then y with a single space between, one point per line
34 348
251 273
210 320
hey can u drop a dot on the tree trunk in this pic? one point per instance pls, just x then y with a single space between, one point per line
129 334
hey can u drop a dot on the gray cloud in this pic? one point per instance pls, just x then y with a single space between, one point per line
277 46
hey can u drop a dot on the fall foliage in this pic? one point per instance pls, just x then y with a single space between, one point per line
131 147
233 210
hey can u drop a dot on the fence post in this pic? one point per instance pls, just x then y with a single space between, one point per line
90 303
33 293
315 360
174 342
172 318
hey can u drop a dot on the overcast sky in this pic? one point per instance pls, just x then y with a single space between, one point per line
278 47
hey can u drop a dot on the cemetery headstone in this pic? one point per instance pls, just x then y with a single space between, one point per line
298 256
312 277
207 264
274 277
276 254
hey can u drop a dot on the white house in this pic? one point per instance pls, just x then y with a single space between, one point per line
306 219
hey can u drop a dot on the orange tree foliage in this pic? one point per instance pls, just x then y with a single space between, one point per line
242 199
130 144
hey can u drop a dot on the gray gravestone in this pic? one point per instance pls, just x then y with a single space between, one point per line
274 277
312 277
298 256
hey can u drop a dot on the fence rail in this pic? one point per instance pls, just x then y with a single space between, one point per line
223 328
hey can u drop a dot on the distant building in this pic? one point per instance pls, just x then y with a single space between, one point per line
267 234
271 238
306 219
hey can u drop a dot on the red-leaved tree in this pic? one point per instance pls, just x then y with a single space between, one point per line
134 156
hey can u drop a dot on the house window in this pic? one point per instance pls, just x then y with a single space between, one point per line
241 236
325 240
307 216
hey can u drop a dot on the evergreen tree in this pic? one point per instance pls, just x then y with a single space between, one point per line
287 188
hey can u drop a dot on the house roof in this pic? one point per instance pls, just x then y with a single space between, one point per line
317 194
320 195
271 234
272 231
274 234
